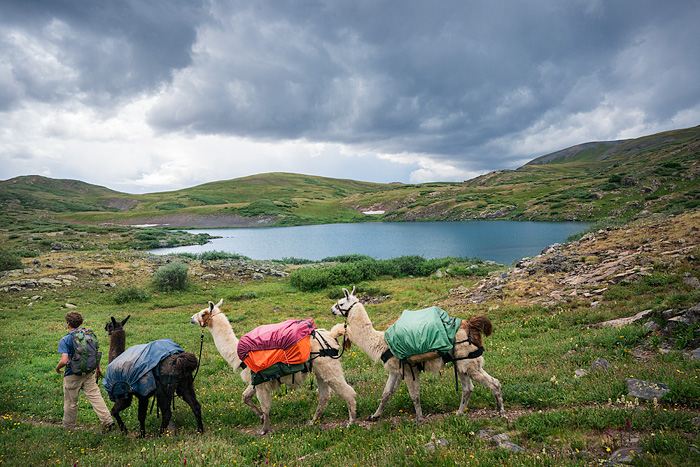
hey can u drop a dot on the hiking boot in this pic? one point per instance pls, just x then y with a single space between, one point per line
107 428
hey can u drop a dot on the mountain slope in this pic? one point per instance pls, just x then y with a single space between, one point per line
620 179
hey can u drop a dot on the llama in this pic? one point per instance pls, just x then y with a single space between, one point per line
175 376
372 342
329 373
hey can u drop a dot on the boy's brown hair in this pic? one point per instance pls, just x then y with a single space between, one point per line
74 319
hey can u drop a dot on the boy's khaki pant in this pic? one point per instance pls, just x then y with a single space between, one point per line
72 385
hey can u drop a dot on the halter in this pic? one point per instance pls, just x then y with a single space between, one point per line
202 324
345 313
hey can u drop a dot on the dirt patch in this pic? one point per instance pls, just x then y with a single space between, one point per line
194 221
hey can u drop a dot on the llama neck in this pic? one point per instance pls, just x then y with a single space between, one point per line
363 334
117 344
225 340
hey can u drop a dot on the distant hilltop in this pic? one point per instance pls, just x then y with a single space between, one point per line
612 179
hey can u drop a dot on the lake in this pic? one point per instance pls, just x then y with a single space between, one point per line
500 241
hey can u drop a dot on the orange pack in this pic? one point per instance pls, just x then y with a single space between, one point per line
258 360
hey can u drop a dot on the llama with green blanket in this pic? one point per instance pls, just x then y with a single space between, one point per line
451 340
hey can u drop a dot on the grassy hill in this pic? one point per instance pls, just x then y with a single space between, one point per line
620 179
590 181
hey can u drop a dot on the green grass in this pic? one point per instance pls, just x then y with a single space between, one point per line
534 352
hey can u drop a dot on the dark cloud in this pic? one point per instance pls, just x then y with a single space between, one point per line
479 85
95 52
438 78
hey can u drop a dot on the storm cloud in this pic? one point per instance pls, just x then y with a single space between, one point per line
374 90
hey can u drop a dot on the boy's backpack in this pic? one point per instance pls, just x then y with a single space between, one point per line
86 354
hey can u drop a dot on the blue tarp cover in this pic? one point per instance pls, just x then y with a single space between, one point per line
132 370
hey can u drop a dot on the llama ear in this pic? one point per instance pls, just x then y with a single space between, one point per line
220 303
211 306
347 294
353 291
125 320
114 321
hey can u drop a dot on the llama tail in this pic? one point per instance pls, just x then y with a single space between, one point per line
339 330
185 362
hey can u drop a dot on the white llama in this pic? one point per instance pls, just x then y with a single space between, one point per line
329 373
372 342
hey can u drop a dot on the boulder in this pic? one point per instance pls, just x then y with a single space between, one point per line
645 389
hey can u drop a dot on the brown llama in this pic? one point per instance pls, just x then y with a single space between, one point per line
174 376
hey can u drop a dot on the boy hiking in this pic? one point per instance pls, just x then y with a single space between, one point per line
81 364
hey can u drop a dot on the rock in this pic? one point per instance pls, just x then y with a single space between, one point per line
696 354
510 446
645 389
616 323
499 438
580 373
439 274
652 326
691 281
70 305
47 281
66 277
207 277
696 421
624 455
485 434
599 364
436 443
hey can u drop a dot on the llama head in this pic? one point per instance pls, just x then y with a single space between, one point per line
203 318
115 325
343 306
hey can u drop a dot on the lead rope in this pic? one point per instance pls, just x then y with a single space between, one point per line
199 360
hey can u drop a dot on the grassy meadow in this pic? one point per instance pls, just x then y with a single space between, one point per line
558 419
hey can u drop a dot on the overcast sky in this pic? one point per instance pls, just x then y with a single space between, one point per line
155 95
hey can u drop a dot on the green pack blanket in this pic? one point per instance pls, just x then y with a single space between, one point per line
420 331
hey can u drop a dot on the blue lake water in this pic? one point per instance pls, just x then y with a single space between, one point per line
500 241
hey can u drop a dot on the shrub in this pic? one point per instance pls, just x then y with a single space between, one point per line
9 261
218 255
131 294
172 276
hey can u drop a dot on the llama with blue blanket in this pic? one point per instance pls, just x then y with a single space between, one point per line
160 368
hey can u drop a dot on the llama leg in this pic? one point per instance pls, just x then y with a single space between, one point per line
120 405
413 384
265 397
330 372
467 388
167 414
324 395
344 390
494 385
143 408
247 398
189 396
392 384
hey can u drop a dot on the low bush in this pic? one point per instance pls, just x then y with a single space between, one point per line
9 261
172 276
131 294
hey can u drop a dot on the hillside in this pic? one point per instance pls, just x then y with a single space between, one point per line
591 181
620 179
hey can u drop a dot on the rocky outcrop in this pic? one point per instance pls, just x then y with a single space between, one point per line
586 268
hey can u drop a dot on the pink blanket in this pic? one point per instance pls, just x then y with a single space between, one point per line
275 336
